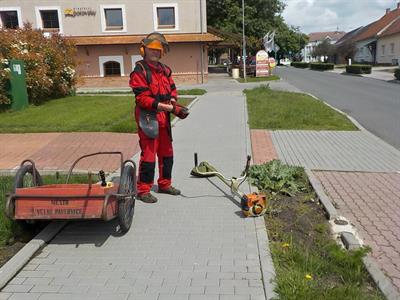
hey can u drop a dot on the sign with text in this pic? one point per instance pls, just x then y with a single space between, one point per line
79 11
262 64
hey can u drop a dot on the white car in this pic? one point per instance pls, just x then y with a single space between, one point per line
285 62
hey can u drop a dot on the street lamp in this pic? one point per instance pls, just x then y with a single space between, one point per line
244 45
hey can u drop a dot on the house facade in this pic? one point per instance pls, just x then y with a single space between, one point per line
316 38
377 42
107 34
388 46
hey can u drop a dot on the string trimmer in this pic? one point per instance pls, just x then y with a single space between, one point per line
252 205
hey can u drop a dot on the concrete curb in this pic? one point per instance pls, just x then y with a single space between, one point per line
324 199
18 261
351 243
267 265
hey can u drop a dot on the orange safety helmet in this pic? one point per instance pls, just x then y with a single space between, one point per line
154 40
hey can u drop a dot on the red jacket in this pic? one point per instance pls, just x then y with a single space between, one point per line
151 89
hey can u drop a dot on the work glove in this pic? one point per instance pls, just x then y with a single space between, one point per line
180 111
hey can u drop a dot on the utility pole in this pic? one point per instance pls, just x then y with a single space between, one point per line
244 45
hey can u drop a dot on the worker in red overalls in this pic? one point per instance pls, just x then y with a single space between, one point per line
156 98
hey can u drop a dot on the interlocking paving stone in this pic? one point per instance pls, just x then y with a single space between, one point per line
174 244
47 150
371 201
336 150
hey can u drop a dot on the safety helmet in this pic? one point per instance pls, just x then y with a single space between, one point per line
154 40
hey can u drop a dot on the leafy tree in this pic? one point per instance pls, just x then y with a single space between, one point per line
346 50
261 16
324 49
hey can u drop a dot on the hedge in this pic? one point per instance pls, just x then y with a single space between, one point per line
299 64
397 74
359 69
321 66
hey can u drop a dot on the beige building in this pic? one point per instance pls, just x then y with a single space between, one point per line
368 41
388 47
108 34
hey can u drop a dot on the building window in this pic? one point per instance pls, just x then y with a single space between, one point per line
166 16
49 18
111 65
113 18
391 48
112 68
383 49
10 17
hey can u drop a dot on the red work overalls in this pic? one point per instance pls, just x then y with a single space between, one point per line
152 84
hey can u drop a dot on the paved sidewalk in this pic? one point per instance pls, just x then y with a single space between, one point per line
57 151
360 174
376 73
197 246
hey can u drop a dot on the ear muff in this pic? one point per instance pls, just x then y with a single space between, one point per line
141 49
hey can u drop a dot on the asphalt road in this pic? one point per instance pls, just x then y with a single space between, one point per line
375 104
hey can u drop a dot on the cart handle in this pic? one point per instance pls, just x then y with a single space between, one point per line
92 154
33 169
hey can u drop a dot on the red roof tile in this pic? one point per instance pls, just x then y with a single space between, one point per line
392 29
377 26
320 36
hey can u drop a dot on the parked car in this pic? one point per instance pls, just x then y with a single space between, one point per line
285 62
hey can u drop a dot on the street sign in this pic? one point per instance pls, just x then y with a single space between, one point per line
262 64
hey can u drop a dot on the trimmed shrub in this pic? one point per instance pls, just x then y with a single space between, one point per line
397 74
300 64
322 66
358 69
49 63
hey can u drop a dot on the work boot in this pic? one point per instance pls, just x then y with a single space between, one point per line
171 191
147 198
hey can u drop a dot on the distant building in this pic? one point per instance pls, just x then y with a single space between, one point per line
379 41
316 38
108 34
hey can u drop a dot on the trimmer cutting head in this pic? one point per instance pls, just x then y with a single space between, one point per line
204 169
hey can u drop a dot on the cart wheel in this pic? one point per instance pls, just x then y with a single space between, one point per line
26 177
126 205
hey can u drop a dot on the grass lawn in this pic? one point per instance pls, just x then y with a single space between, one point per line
180 92
275 110
100 113
258 79
12 230
309 263
195 92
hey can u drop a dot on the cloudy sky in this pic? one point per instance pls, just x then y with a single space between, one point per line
327 15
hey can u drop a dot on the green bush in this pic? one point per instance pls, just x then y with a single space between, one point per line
359 69
49 63
397 74
321 66
277 177
299 64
